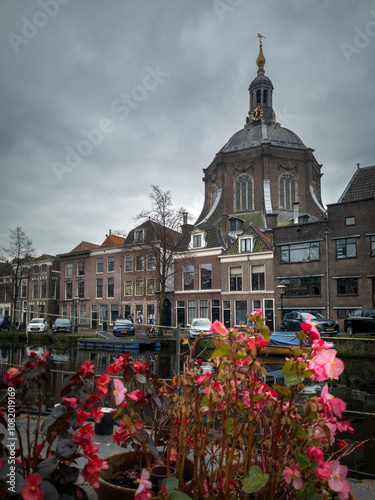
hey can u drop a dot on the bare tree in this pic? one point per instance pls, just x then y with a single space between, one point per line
167 223
16 259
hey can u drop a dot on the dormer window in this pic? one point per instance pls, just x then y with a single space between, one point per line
246 244
139 236
198 240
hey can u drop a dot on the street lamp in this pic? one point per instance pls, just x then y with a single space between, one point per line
281 288
76 302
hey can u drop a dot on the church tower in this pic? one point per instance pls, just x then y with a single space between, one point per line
263 172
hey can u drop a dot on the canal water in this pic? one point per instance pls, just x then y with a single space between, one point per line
356 386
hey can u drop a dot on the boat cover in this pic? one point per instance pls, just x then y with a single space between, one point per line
284 339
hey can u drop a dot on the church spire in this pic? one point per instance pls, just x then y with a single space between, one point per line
261 60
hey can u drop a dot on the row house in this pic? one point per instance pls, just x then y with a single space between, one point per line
329 266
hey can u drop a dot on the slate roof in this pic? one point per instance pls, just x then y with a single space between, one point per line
361 186
153 231
214 238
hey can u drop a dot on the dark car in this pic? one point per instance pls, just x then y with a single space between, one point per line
123 327
5 323
360 321
62 325
293 320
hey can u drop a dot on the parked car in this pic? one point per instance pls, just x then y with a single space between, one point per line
5 323
62 325
200 326
293 320
360 321
37 325
123 327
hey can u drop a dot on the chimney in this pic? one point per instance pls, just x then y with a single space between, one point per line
358 166
225 227
271 220
295 212
185 227
185 218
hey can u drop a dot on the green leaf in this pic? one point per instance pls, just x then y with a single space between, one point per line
311 493
286 367
177 495
229 424
255 480
282 390
292 379
303 460
258 397
170 483
205 401
301 336
265 332
302 433
295 352
307 373
312 415
221 351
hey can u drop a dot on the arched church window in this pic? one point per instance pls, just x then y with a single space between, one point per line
244 193
287 188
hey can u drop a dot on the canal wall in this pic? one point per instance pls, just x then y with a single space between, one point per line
356 347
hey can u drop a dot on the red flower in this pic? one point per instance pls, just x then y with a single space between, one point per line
86 370
70 402
137 395
82 416
102 384
11 374
31 491
85 434
97 414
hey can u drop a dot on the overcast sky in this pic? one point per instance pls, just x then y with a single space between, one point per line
101 99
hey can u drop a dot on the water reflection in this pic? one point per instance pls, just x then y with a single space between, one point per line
356 386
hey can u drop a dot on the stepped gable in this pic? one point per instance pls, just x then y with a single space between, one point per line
361 186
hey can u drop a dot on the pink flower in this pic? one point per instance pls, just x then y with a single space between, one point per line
323 471
294 475
315 453
337 480
173 455
344 426
144 486
31 491
330 403
310 329
137 395
119 392
70 402
326 365
219 328
257 313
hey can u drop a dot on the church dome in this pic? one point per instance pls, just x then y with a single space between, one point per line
254 135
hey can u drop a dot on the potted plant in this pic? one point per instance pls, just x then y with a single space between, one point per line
40 454
241 437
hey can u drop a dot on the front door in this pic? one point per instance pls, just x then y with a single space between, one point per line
227 318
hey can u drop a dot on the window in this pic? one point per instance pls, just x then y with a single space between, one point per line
192 310
150 286
82 313
114 312
235 279
103 313
128 264
35 290
69 270
350 221
139 236
346 248
23 289
188 277
99 265
139 263
215 310
300 252
203 308
54 289
197 240
206 277
110 264
44 268
246 244
347 286
257 277
43 289
128 287
68 290
80 268
241 310
99 288
110 287
244 193
303 286
81 289
235 225
287 190
151 262
139 287
36 269
342 313
372 246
